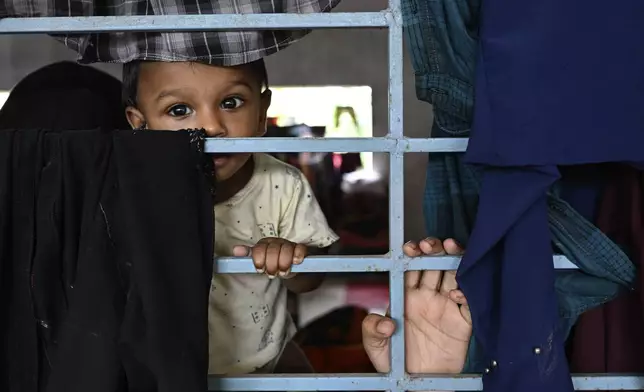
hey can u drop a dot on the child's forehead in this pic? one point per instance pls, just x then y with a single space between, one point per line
164 73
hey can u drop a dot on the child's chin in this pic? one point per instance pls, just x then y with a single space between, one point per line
222 174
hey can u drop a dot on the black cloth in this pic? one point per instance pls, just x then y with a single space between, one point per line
106 243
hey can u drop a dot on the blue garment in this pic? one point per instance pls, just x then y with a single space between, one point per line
442 37
546 95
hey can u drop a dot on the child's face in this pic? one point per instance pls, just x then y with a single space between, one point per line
225 101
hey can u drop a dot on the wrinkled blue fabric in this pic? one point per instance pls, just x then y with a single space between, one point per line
545 97
442 37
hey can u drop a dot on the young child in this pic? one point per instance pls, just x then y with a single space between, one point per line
263 207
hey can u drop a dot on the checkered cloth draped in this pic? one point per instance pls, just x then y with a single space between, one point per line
219 48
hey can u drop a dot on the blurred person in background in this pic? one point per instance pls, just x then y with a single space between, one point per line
65 96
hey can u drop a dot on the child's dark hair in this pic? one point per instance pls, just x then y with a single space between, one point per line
131 78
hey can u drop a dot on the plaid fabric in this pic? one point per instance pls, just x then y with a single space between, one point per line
219 48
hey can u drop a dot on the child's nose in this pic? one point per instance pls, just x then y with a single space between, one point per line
213 125
215 132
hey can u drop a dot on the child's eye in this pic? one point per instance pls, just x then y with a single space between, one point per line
231 103
179 111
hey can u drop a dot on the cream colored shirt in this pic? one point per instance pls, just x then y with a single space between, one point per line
248 321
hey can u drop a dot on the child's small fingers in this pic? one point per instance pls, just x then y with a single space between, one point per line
453 248
285 260
299 253
458 297
431 246
258 253
411 249
242 251
273 250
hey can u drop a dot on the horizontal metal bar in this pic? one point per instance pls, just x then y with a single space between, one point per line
376 144
236 265
377 382
239 265
172 23
612 382
437 145
340 382
291 144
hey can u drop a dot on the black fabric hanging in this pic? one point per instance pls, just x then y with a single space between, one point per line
106 244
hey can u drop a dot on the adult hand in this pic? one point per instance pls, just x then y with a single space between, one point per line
438 324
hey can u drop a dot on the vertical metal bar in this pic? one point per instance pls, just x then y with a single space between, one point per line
397 306
395 70
396 208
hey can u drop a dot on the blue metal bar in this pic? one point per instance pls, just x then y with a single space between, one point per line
346 382
377 382
174 23
397 313
290 144
395 86
375 144
289 382
396 197
613 382
244 265
232 265
437 145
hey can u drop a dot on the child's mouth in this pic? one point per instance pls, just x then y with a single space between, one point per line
220 159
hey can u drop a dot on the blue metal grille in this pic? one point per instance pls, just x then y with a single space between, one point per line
394 143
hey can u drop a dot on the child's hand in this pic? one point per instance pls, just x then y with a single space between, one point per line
273 256
432 247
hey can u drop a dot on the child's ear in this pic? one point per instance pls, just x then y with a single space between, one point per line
266 103
135 117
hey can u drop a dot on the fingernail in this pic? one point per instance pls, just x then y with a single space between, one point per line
270 276
410 243
383 327
260 270
284 273
430 241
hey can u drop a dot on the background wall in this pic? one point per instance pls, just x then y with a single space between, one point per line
325 57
